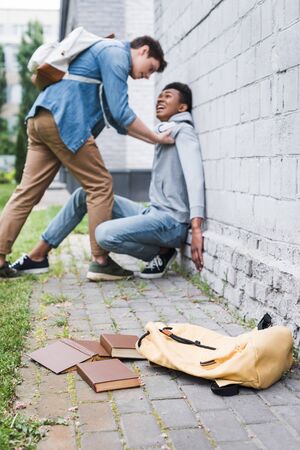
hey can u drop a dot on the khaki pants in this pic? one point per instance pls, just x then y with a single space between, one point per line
46 152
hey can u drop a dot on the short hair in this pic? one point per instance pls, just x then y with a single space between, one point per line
186 96
155 50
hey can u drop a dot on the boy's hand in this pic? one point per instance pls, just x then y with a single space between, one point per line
197 243
165 138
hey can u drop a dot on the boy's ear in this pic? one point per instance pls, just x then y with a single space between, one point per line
144 50
182 107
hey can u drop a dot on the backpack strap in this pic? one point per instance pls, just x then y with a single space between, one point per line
167 332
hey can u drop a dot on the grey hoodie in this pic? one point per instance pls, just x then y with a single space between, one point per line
177 183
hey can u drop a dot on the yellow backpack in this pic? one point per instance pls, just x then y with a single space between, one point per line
256 359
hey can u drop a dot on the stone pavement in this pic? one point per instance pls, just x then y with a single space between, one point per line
171 410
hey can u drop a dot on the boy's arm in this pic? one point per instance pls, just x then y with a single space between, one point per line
113 65
188 148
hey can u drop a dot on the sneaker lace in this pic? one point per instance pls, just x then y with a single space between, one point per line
21 259
156 263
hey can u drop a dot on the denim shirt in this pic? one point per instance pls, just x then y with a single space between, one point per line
75 105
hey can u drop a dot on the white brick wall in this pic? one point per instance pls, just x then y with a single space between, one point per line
241 59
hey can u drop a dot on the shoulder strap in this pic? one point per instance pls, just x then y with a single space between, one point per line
167 332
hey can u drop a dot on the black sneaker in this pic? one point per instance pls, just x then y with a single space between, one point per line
27 265
110 271
7 272
159 265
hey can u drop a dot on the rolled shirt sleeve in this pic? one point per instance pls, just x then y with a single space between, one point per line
113 64
189 152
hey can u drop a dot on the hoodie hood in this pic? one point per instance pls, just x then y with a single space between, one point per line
182 117
175 121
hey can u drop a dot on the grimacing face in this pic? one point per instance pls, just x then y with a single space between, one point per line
169 103
143 66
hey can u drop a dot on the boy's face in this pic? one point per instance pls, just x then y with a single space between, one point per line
143 66
169 103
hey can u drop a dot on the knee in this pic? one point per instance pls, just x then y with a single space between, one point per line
104 237
79 198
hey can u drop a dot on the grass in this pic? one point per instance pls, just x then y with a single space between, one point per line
50 299
15 430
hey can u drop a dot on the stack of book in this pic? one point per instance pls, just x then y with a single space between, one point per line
95 361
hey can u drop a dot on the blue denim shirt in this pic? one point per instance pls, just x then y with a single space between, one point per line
75 105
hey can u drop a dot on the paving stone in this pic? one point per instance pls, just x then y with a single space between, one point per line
278 394
106 440
293 384
291 414
247 445
162 387
141 430
233 329
250 409
274 436
53 383
175 413
59 437
189 439
131 401
86 394
53 405
223 425
201 397
149 369
96 417
140 305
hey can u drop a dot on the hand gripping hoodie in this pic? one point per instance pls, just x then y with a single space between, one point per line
177 182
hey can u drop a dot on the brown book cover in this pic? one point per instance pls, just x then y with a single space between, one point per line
93 346
108 375
62 356
120 345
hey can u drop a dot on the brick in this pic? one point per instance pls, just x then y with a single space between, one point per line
275 436
266 19
59 437
278 394
53 405
161 387
264 176
265 98
86 394
290 90
189 438
290 413
96 417
289 178
247 445
201 398
246 67
183 417
256 25
131 401
287 41
250 409
146 434
223 425
108 440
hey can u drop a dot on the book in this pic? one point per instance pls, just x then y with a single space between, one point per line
120 345
106 375
63 356
93 346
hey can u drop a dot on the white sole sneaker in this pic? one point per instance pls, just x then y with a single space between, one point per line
151 276
92 276
35 271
